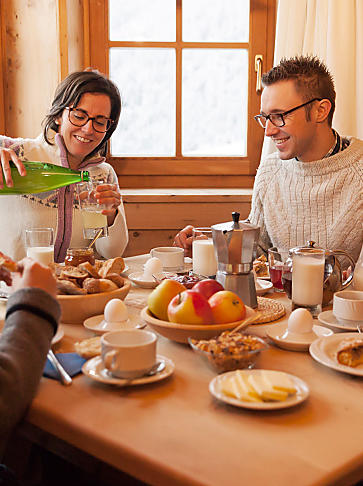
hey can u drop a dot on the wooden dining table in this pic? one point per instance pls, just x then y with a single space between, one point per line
174 432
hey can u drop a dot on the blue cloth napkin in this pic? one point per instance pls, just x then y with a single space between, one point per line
71 362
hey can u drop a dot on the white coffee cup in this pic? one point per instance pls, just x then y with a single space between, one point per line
128 353
171 257
348 306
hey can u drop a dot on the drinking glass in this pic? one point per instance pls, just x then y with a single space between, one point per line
278 265
308 279
91 210
204 258
39 243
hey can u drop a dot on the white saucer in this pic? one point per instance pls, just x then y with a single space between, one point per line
296 342
95 323
95 370
56 338
265 284
324 350
329 319
58 335
302 393
137 279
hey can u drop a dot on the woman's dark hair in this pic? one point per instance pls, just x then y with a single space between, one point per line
70 91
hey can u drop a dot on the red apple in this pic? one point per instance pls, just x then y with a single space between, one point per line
160 297
227 307
207 287
190 307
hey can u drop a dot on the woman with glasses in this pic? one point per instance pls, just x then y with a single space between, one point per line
83 116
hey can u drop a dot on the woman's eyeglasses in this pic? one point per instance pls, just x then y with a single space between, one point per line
79 118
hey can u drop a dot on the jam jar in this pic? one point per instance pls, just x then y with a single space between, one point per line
75 256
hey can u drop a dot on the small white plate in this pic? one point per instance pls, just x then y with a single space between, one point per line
291 344
56 338
301 394
95 323
329 319
324 351
137 279
95 370
265 284
58 335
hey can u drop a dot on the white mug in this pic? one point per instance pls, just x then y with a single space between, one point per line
128 353
171 257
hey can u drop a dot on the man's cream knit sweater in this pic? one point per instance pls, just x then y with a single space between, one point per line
322 200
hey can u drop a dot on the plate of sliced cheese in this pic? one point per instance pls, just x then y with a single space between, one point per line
259 389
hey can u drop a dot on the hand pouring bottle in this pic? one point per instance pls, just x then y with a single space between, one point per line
42 177
235 244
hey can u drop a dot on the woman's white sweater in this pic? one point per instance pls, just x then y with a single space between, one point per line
322 200
41 210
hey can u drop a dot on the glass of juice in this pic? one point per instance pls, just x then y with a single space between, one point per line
39 243
91 210
278 265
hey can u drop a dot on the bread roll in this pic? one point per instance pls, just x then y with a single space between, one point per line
113 265
95 286
88 348
90 269
117 279
66 287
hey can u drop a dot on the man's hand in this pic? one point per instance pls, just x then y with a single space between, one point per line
184 239
7 155
34 274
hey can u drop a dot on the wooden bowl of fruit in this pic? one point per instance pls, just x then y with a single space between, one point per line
199 313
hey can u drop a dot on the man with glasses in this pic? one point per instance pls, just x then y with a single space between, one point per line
311 187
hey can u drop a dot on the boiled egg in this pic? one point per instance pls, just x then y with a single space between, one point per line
115 311
300 322
152 267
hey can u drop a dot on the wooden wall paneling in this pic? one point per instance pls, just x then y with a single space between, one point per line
149 181
31 60
75 39
154 219
2 67
62 24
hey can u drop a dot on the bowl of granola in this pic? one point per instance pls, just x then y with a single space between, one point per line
229 351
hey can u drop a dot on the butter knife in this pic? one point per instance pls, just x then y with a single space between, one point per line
64 376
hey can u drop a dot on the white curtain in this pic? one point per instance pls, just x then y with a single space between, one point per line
333 31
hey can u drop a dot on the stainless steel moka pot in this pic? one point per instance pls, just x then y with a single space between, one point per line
235 244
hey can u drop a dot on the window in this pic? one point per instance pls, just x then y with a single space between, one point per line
186 72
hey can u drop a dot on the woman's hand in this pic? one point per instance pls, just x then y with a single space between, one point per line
109 195
184 239
7 155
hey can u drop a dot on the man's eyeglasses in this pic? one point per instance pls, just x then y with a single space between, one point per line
79 118
277 119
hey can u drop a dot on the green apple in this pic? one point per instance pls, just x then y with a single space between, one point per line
160 297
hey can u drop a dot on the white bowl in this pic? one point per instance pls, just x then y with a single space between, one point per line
181 332
348 306
76 308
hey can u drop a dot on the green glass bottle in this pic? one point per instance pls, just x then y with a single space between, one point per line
42 177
